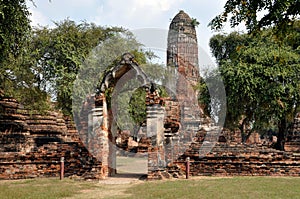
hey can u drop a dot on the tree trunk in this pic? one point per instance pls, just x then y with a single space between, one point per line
281 135
244 129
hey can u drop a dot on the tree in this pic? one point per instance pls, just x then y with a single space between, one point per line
279 13
14 29
262 77
59 52
16 77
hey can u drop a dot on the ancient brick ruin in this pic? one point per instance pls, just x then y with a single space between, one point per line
31 145
292 142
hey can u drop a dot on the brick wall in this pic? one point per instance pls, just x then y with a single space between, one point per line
31 145
240 159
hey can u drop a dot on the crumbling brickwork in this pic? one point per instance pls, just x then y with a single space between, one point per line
293 137
31 145
241 159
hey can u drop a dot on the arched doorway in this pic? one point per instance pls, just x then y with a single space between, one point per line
162 130
104 128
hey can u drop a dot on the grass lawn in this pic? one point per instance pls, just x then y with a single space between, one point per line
207 187
42 188
236 187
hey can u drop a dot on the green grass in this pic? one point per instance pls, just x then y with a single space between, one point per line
209 187
237 187
41 188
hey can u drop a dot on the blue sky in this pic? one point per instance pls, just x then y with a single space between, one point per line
133 15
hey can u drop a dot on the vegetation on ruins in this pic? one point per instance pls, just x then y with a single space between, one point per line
194 22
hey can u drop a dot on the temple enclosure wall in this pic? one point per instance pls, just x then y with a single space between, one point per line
227 159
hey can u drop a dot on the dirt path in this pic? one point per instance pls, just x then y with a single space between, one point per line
131 171
132 165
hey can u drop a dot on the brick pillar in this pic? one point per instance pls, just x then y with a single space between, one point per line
97 138
155 131
105 141
112 165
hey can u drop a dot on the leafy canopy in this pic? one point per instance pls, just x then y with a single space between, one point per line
59 53
279 13
261 76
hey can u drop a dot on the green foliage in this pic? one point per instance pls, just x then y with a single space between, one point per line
194 22
99 61
14 27
138 106
261 76
204 96
156 72
17 79
59 53
280 13
226 47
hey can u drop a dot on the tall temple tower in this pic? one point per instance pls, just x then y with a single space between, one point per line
182 63
182 52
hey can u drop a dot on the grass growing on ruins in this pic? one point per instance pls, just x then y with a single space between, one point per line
203 187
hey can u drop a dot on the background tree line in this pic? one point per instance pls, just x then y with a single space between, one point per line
260 68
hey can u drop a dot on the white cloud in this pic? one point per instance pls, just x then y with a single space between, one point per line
161 5
67 5
37 18
134 13
81 3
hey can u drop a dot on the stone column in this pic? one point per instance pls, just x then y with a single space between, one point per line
155 131
97 137
155 124
92 141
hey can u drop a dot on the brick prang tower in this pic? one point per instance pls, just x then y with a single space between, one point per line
182 63
182 52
